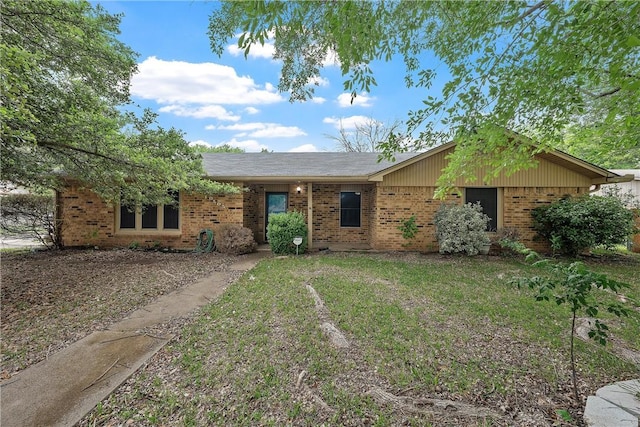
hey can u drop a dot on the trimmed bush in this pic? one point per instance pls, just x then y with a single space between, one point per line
573 225
234 239
283 228
461 228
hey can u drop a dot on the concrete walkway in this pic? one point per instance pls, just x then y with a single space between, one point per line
20 242
62 389
616 405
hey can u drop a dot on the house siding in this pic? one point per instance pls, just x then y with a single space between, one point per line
251 211
89 221
547 174
409 191
255 210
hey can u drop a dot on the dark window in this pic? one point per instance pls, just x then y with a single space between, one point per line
127 218
150 216
153 217
349 209
488 199
170 213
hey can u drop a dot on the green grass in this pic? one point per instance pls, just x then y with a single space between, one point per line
434 327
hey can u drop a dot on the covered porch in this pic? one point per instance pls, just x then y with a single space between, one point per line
338 214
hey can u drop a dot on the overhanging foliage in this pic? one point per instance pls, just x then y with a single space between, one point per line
65 79
536 69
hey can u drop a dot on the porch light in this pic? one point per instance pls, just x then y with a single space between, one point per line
298 189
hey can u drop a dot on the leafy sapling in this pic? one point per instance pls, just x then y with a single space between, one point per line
573 284
409 229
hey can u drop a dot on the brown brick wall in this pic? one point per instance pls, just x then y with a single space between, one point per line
250 215
326 215
254 208
397 204
89 221
520 201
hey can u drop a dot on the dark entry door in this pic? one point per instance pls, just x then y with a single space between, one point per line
274 203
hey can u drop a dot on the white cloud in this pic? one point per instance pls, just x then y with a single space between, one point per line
248 145
318 100
263 130
257 50
208 111
347 123
306 148
278 132
362 100
318 81
243 126
206 83
331 59
201 143
251 110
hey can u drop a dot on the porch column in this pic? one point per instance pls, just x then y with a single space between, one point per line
309 215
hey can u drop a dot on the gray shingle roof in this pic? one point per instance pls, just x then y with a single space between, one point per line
295 165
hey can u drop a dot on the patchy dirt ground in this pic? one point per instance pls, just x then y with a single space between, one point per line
51 299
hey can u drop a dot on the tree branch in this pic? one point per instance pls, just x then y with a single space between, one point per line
57 146
528 12
602 94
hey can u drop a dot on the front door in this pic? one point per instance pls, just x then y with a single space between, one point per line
274 203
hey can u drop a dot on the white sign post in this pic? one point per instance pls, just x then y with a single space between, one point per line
297 241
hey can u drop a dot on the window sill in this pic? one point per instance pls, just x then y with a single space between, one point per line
148 232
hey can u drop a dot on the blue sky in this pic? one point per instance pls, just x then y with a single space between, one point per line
233 100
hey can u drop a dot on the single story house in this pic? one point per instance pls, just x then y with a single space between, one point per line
349 199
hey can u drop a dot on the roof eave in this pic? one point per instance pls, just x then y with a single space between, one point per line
611 179
290 179
600 173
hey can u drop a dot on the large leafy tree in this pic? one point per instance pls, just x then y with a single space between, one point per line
519 74
65 78
590 144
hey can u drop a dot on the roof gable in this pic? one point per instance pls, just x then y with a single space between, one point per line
595 174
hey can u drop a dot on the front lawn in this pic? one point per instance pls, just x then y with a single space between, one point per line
432 340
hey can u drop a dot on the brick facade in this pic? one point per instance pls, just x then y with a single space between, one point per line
250 214
394 205
89 221
326 215
520 201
